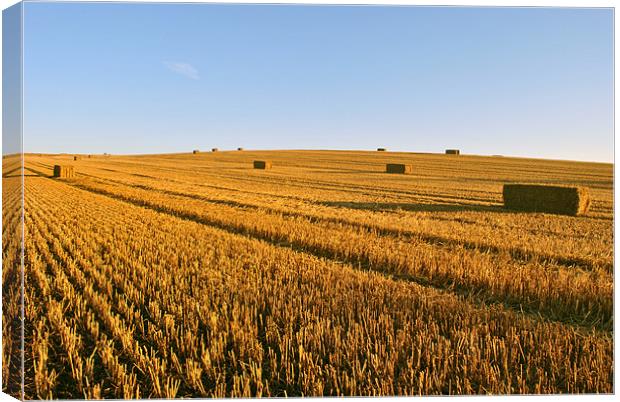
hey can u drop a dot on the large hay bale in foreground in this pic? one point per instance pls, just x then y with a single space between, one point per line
453 152
214 149
64 172
262 164
543 198
398 168
381 149
195 151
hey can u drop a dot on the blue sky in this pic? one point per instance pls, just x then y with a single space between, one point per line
151 78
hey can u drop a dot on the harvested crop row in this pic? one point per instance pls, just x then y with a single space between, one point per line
587 244
78 370
335 172
207 183
415 193
11 284
473 169
118 297
550 292
406 329
472 230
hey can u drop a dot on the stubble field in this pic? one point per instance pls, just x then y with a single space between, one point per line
195 275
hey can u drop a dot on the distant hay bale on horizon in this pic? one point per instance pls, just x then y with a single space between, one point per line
453 152
214 149
239 149
64 172
562 200
262 164
76 158
398 168
381 149
196 151
89 156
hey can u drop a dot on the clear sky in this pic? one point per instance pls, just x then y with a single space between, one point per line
151 78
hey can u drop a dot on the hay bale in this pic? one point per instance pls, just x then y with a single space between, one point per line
453 152
542 198
90 156
196 151
76 158
214 149
239 149
381 149
398 168
64 172
262 164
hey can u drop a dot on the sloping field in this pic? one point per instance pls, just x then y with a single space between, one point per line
196 275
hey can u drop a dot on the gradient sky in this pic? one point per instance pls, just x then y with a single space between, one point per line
151 78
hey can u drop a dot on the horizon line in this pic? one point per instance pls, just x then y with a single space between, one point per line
208 150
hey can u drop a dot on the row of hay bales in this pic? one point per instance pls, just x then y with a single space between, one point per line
67 172
79 157
448 151
75 157
197 151
531 197
521 197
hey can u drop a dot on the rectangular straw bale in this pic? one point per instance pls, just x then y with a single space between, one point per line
381 149
63 171
453 152
214 149
195 151
262 164
398 168
543 198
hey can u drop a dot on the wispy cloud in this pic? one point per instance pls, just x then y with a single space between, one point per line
185 69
